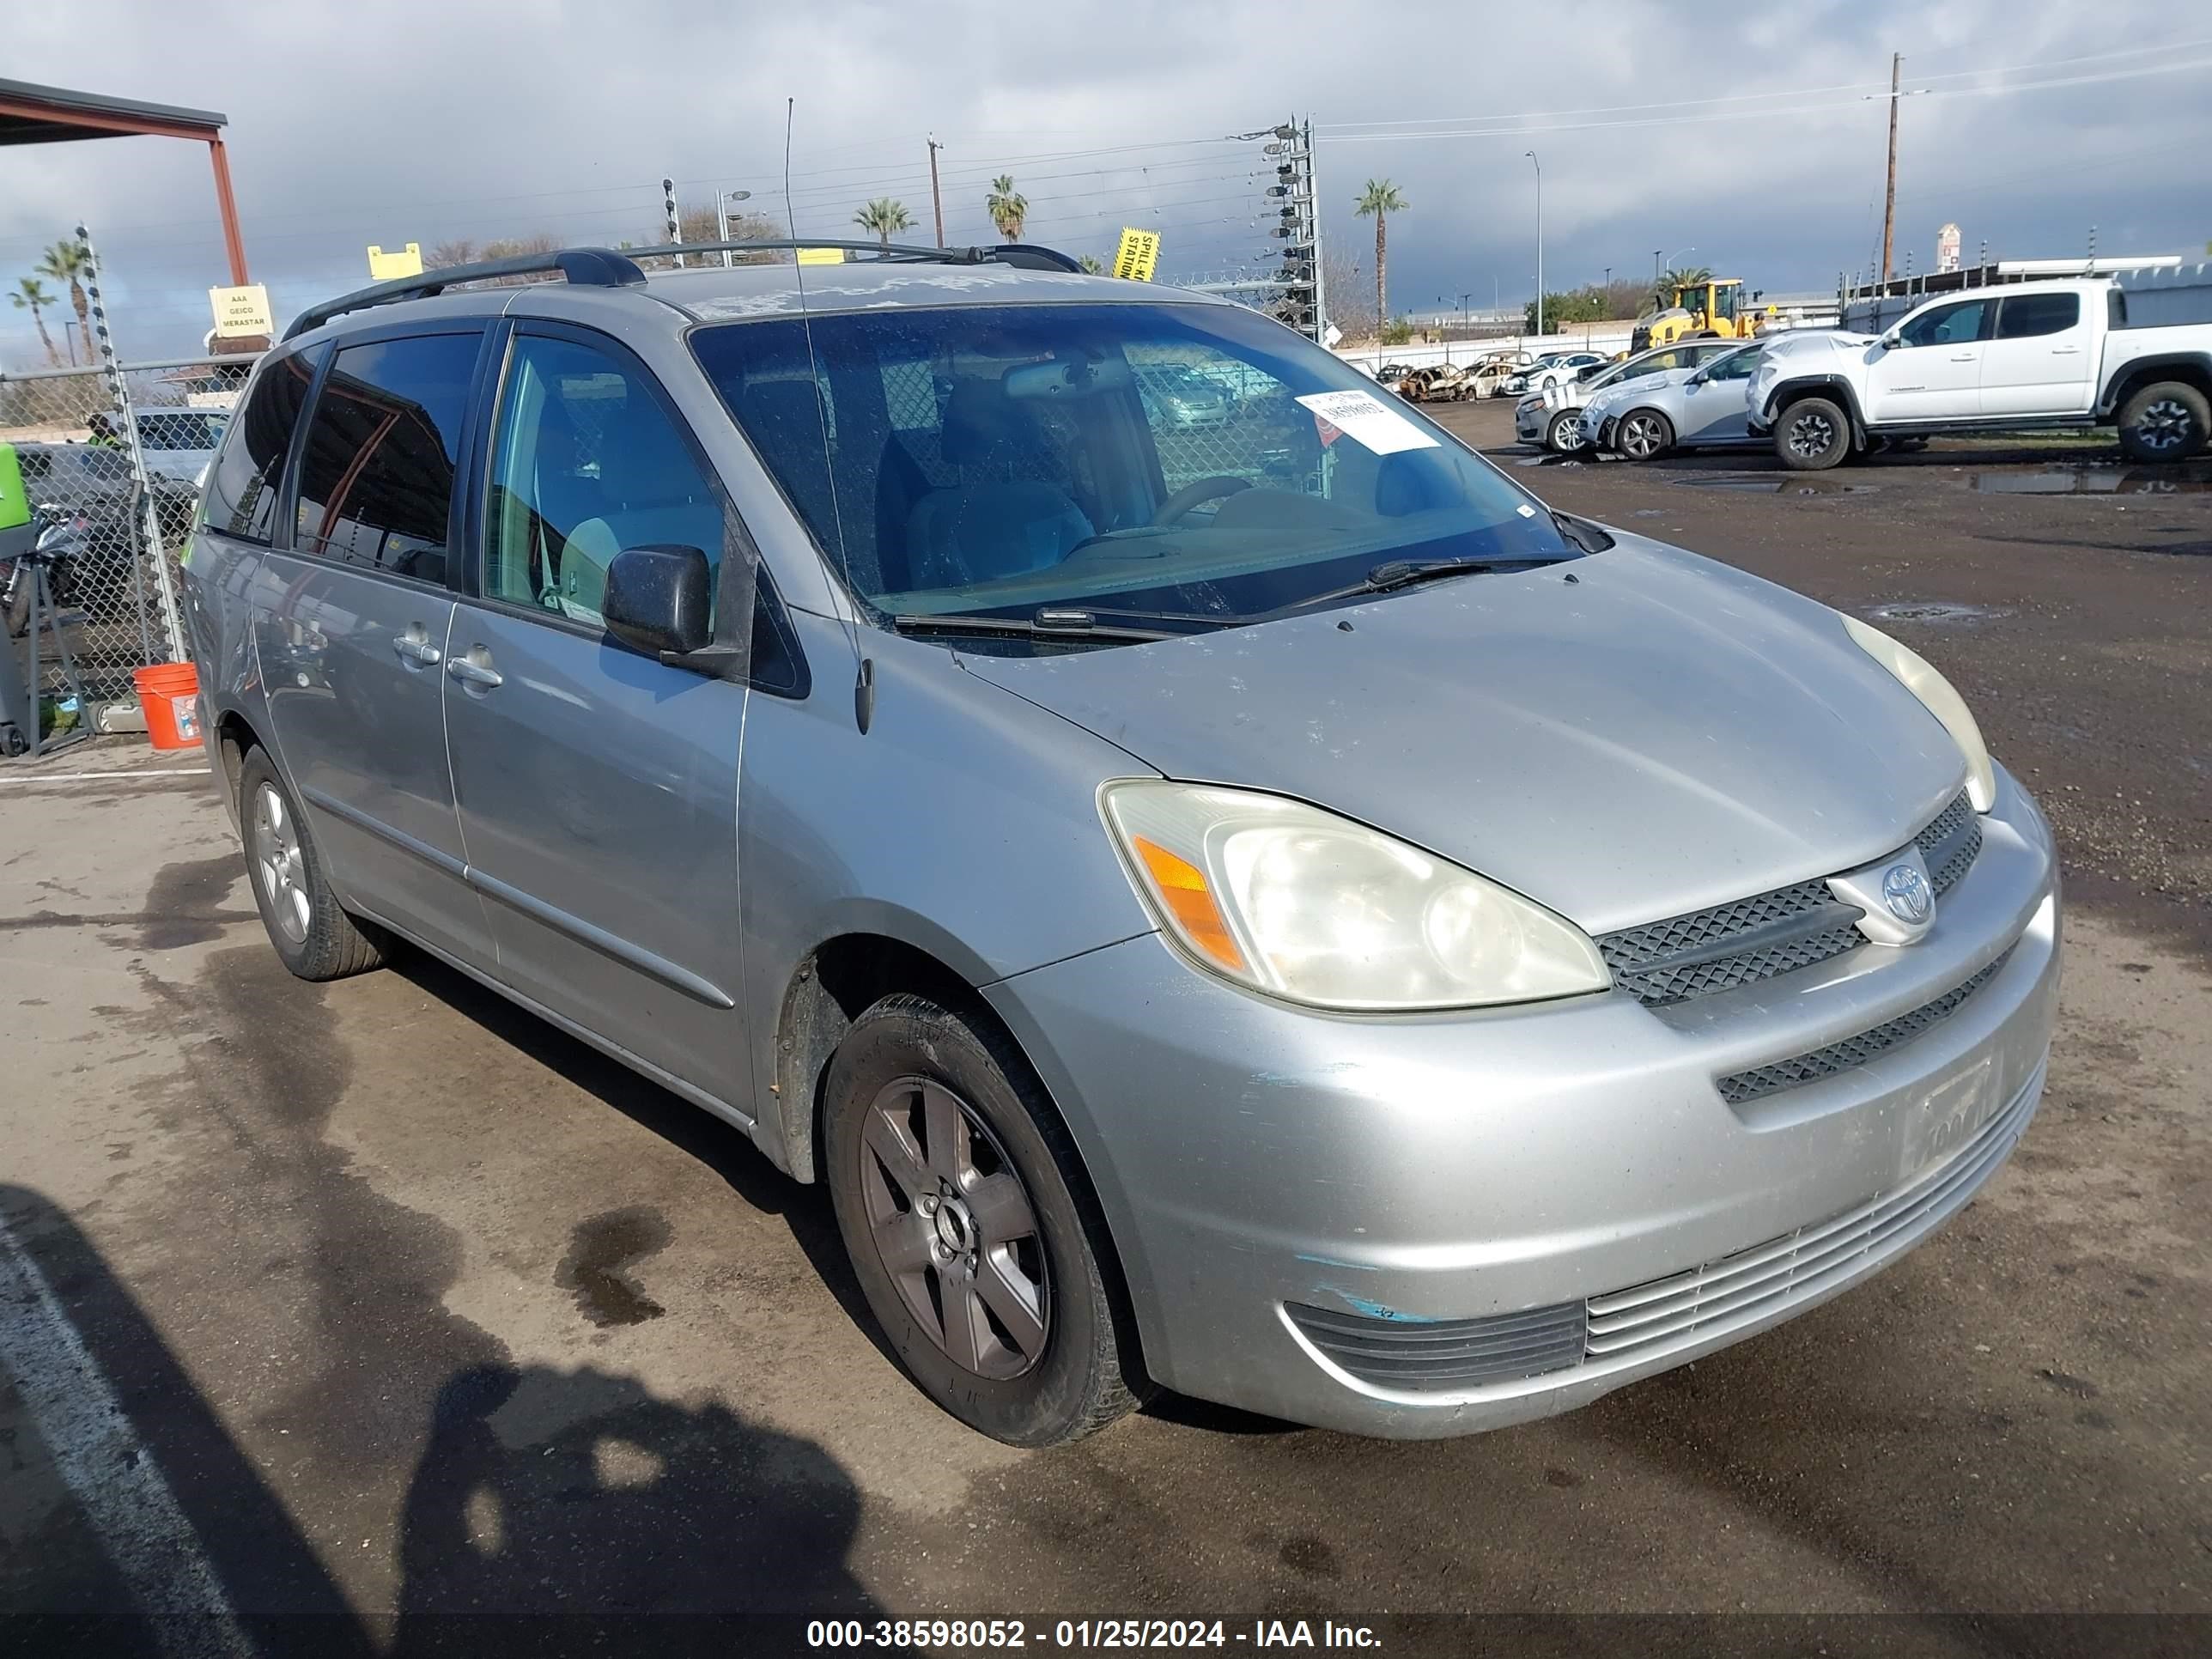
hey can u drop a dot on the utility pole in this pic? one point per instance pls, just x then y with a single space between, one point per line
1539 242
1658 270
936 196
1889 192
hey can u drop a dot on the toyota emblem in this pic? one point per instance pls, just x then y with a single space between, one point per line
1906 891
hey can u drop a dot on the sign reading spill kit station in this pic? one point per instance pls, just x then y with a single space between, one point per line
240 312
1139 254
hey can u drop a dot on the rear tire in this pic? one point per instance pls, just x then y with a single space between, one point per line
314 937
1564 434
956 1190
1644 434
2167 421
1812 435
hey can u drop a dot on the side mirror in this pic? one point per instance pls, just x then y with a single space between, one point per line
1697 379
658 600
1892 338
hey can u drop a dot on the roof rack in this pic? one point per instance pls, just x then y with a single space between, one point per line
594 267
1029 256
605 267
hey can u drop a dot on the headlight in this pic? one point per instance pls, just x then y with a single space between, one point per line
1304 905
1918 676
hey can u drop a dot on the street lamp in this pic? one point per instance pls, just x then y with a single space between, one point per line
722 200
1669 264
1531 155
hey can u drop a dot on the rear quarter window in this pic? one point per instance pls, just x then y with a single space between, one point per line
242 489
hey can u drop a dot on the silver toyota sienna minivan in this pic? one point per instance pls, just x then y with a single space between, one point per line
1260 907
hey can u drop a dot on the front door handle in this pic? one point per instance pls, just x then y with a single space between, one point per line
1964 357
2066 351
481 677
417 648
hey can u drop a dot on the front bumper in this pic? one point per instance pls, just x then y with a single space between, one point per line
1567 1170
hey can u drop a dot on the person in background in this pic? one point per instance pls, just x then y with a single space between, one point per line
102 433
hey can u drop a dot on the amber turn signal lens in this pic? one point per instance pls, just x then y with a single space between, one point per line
1181 887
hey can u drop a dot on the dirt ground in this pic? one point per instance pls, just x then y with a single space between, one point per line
414 1308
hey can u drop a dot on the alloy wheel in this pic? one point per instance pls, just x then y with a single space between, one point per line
1639 437
1567 434
2165 425
1811 434
279 865
955 1228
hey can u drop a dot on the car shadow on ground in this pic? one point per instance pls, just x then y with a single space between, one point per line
804 1207
549 1511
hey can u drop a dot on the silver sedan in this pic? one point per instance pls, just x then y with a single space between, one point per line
1703 408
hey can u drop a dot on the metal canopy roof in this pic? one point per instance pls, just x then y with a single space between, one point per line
45 115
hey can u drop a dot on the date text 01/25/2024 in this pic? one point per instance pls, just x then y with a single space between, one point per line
958 1633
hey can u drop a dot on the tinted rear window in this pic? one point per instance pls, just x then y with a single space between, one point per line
2026 315
241 491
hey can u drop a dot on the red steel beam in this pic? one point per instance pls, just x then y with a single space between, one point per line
103 121
226 204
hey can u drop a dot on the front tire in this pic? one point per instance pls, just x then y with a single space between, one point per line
955 1187
1644 434
2168 421
1812 435
1564 434
314 937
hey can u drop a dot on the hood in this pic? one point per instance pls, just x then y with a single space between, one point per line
1799 341
1662 734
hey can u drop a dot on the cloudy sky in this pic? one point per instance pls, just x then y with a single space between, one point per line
1758 144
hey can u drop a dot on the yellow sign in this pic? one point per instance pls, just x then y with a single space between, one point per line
408 261
240 312
1139 253
821 256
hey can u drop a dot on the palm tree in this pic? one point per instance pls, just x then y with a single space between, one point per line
1680 277
33 295
70 262
884 215
1091 264
1007 208
1381 198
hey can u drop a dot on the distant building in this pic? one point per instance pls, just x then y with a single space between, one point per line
1947 248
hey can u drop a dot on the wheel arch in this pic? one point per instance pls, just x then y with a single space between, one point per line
2190 368
1835 387
837 981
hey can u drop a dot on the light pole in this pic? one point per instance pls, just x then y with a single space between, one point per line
722 200
1671 258
1531 155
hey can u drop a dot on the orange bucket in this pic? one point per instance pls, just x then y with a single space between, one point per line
169 693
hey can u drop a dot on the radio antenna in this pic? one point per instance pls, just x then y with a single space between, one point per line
864 669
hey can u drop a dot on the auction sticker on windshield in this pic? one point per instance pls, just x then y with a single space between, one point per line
1360 417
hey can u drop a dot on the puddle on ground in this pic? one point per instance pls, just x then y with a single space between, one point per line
1754 485
2187 478
1935 610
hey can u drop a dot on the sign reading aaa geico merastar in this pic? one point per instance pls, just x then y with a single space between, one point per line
240 312
1139 253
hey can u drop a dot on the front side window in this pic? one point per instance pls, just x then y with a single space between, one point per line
181 429
587 460
2024 316
1737 366
376 483
1947 324
241 491
1166 457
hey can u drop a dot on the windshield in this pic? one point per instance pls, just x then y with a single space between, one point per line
1194 460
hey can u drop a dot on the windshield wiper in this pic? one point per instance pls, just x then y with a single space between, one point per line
1393 574
1060 623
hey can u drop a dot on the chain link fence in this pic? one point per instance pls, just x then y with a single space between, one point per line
112 465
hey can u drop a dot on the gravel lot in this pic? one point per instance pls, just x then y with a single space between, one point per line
414 1307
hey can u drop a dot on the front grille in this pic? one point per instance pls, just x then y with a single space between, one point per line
1415 1355
1948 845
1674 1312
1739 1086
1755 939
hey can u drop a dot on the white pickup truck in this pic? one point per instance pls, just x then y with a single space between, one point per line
2131 353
